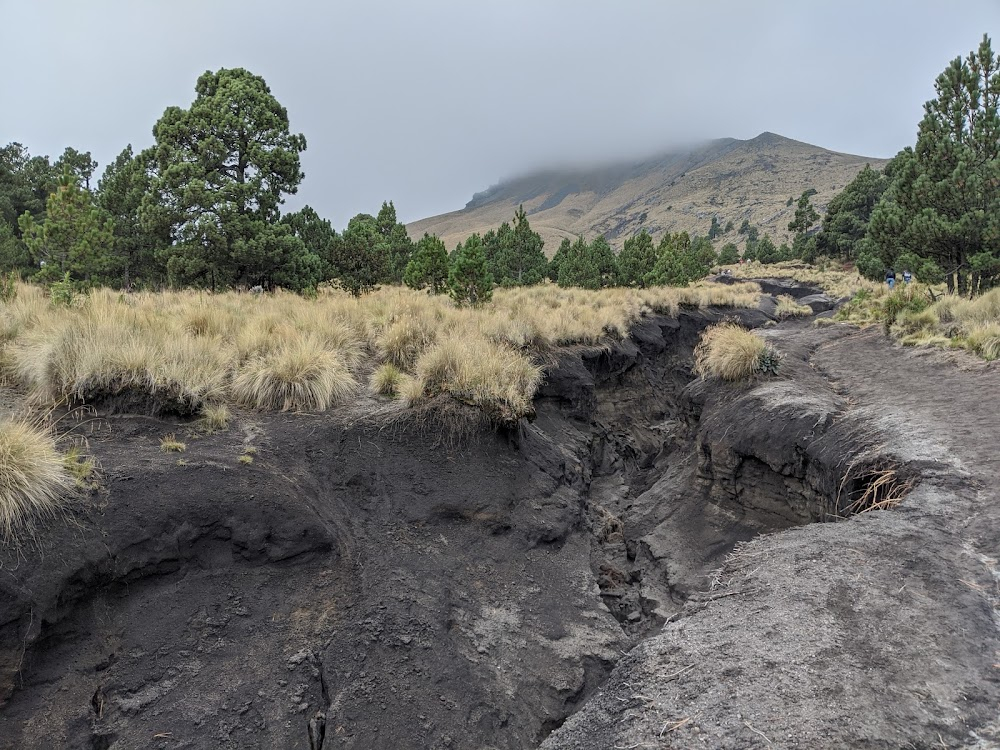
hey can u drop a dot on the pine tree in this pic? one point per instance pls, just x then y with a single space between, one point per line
123 187
729 254
943 208
848 214
428 267
636 259
319 238
223 167
394 243
75 237
515 254
805 215
360 265
579 268
469 280
556 263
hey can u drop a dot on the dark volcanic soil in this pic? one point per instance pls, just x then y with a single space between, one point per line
397 590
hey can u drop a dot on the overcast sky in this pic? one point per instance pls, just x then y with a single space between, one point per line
425 102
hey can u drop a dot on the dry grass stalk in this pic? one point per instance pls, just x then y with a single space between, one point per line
34 481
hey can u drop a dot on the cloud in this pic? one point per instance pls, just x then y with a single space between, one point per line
425 103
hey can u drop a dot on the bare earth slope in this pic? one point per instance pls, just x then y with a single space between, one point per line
731 179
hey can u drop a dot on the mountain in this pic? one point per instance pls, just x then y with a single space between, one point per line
680 191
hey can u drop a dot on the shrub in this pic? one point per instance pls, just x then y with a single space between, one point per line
730 352
34 482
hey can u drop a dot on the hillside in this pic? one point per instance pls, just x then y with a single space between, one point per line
681 191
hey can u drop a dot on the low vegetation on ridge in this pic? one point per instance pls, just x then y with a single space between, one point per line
192 352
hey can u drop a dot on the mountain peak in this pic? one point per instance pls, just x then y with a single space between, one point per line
732 180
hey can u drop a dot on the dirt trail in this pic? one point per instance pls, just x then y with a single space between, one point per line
878 632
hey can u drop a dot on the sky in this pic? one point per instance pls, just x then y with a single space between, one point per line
425 102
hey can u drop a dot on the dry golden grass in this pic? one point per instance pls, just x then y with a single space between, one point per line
729 352
170 444
788 307
34 481
950 321
193 352
386 379
215 417
300 374
837 282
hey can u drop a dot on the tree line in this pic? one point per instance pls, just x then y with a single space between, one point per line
201 207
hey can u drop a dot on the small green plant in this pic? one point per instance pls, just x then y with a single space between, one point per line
81 467
182 462
767 362
246 460
170 444
62 292
8 287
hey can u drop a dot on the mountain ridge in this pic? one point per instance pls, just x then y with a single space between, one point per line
731 179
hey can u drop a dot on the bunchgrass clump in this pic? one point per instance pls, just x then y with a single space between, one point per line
34 481
301 375
170 444
730 352
215 417
386 379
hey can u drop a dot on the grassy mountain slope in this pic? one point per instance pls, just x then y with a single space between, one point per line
728 178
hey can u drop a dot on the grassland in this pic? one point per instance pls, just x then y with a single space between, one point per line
193 353
918 315
837 280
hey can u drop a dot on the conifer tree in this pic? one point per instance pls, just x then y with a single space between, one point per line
556 262
636 260
469 280
75 236
428 267
943 207
224 166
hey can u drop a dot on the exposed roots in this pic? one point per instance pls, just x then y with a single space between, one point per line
870 485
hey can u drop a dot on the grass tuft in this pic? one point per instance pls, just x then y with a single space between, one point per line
386 379
301 375
788 307
215 417
34 482
170 444
732 353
